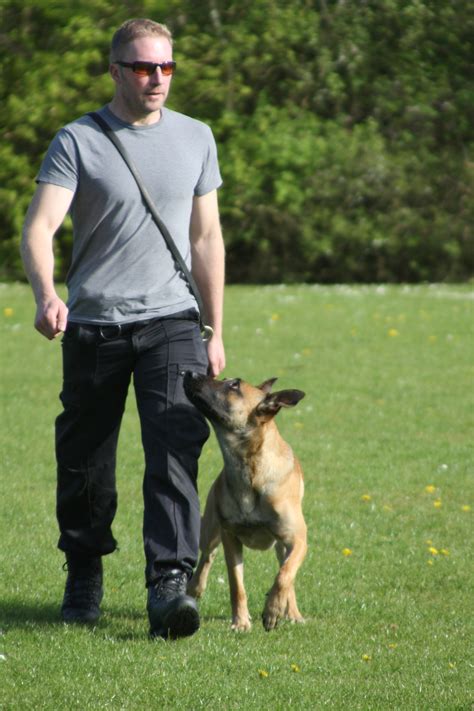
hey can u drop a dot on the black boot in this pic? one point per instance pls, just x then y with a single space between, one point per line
171 612
84 591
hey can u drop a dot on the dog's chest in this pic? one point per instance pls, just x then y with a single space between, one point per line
246 512
249 518
241 502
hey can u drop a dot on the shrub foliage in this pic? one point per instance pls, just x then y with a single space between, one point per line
344 129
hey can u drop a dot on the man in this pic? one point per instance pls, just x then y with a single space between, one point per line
130 313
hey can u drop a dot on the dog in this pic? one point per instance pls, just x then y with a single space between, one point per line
256 500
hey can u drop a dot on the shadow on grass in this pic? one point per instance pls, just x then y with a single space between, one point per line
18 614
116 622
24 614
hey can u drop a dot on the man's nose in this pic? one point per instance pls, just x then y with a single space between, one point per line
157 76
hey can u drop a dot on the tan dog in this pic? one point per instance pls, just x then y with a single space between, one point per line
256 500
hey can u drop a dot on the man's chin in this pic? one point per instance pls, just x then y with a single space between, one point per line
154 101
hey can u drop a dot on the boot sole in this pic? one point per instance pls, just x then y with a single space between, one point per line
72 616
181 620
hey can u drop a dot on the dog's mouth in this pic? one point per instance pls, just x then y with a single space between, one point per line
199 392
193 384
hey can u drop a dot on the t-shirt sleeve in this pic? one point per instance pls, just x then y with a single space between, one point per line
60 165
210 178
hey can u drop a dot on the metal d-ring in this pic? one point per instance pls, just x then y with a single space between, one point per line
207 333
115 335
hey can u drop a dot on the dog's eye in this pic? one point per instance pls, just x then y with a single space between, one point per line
234 384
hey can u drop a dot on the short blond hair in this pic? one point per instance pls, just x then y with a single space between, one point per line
132 29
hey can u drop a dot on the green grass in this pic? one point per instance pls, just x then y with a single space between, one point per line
388 376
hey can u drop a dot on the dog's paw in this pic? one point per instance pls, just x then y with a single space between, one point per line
274 611
269 621
241 625
296 619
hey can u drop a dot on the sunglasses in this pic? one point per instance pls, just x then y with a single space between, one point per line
146 69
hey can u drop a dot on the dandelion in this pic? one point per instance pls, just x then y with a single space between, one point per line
444 551
429 542
275 317
430 489
393 645
466 508
347 552
437 504
366 497
295 668
451 665
393 333
366 658
430 561
433 550
8 312
262 673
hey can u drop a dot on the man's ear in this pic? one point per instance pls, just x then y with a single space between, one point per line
273 402
267 385
114 72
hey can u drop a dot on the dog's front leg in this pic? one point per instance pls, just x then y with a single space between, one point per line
292 612
281 599
233 551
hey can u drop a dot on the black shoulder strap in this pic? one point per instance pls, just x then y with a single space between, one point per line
111 135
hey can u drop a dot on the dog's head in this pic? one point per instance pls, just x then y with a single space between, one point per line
235 404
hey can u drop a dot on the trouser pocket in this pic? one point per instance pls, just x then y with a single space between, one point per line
86 506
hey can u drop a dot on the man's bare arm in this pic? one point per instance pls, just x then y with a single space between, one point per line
45 214
208 268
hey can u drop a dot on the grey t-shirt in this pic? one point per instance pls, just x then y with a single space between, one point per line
121 269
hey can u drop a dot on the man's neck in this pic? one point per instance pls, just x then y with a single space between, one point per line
121 112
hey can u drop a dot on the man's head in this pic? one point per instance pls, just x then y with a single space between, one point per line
135 29
141 65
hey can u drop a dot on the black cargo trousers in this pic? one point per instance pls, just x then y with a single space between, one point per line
98 364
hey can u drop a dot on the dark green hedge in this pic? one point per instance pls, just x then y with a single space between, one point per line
345 129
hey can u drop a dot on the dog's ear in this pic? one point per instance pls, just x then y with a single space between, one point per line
267 385
273 402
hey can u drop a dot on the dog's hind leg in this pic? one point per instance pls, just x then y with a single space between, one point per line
209 542
235 569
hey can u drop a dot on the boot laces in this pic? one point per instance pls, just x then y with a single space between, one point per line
170 584
83 585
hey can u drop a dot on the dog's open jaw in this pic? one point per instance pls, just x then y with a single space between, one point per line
256 500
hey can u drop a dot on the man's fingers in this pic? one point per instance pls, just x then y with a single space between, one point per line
51 319
216 356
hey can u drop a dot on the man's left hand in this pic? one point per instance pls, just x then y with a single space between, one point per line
216 355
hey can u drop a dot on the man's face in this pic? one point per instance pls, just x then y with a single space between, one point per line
142 96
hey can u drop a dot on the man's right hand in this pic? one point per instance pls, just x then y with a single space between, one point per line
51 317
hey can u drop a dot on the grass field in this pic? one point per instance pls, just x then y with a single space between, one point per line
385 437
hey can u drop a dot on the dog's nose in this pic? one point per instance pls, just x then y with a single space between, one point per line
190 374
